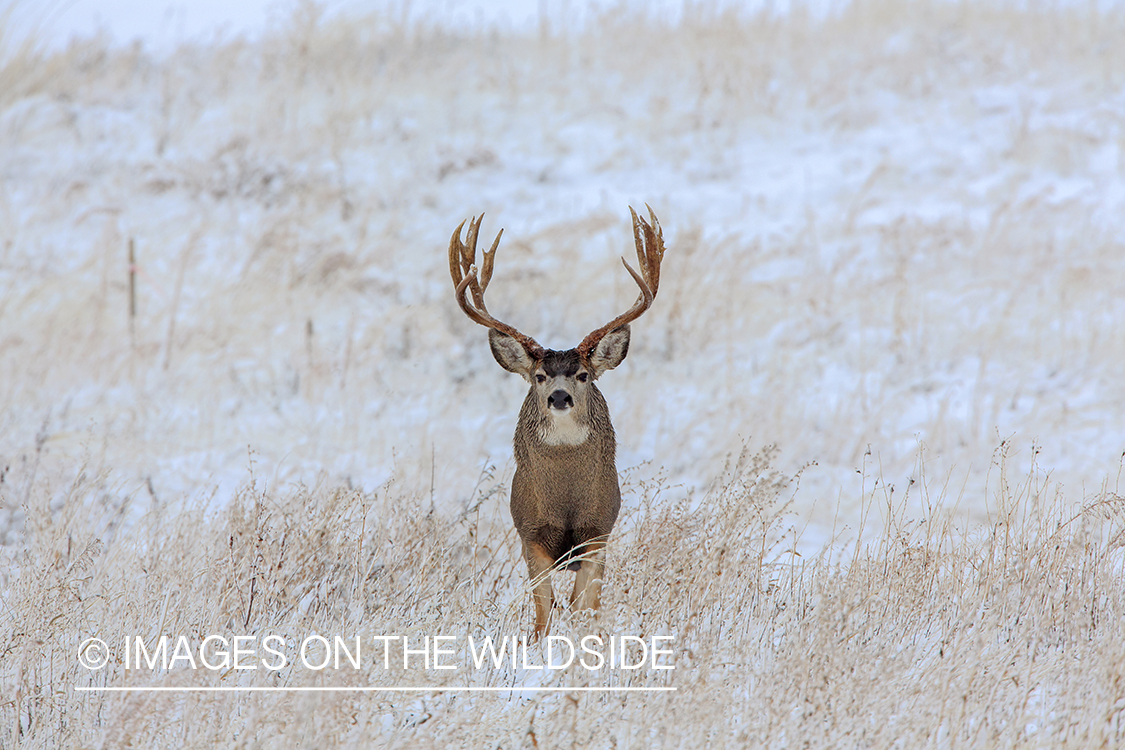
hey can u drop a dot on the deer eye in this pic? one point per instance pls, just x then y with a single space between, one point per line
540 378
583 376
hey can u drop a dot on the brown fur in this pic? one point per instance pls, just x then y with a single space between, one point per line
565 498
565 494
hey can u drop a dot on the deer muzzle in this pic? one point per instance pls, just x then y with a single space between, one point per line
560 399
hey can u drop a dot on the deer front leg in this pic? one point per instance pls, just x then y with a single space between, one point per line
588 581
539 565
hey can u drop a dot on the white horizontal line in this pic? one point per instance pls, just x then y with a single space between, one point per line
371 689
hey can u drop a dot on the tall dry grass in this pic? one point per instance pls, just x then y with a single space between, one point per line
935 634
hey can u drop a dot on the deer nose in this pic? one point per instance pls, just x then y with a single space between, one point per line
560 399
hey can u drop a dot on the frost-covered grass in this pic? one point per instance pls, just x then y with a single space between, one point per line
896 250
1010 635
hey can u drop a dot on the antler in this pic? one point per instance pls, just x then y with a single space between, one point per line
461 267
649 239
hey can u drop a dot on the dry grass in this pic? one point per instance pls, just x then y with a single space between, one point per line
24 67
934 635
894 234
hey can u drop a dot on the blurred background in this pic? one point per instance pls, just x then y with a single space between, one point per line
895 232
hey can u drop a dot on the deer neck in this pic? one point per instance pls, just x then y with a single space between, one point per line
555 429
565 428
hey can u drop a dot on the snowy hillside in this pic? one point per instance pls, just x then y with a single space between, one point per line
897 228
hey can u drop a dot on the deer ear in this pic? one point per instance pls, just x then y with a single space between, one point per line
510 354
611 350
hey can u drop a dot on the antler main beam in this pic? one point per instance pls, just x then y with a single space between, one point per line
649 239
463 270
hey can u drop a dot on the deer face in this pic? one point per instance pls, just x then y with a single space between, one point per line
561 382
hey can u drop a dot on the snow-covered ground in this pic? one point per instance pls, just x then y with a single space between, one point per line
895 232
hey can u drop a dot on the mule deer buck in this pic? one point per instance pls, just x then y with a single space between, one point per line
565 494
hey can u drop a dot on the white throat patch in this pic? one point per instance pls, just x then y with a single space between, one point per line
561 428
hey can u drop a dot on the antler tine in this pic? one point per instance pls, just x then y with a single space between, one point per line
462 255
468 254
486 270
455 251
462 268
639 240
649 239
469 258
654 242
